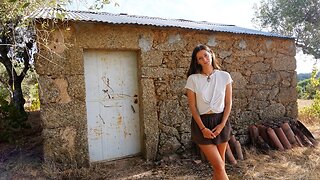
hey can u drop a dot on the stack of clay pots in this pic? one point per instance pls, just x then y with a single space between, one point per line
280 136
270 135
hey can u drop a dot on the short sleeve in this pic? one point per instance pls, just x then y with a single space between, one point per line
190 84
229 79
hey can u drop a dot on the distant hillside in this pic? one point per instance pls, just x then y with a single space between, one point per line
303 76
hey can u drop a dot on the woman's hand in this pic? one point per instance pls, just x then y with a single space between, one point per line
207 133
217 130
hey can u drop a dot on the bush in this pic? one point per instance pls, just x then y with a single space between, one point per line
305 89
11 120
314 109
33 98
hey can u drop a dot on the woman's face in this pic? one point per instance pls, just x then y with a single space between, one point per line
204 58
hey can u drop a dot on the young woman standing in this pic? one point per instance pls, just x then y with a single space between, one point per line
209 94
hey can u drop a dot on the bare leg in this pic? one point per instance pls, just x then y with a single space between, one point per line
213 156
222 150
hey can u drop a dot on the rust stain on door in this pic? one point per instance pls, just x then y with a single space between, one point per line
96 132
119 120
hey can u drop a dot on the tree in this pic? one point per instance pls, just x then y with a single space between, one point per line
17 41
17 45
298 18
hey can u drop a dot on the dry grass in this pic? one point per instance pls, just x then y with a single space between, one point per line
24 161
297 163
294 164
304 103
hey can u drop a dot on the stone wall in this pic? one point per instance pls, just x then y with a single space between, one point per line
262 68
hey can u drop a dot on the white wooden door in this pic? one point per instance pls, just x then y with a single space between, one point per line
112 104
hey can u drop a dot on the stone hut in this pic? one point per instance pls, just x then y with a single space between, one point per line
112 85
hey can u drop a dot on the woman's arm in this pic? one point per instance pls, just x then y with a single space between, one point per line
227 104
192 106
227 110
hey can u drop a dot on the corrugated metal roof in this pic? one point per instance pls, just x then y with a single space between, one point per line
49 13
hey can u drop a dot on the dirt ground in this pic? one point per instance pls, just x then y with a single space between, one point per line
23 159
304 103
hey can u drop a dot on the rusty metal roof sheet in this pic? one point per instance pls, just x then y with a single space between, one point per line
104 17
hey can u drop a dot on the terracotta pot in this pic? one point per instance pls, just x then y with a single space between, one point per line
263 133
304 129
289 133
262 144
254 133
239 150
283 138
307 133
304 140
229 156
274 138
313 141
298 141
232 144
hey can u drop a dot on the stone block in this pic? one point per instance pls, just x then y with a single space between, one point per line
224 54
55 115
171 112
246 118
156 72
76 87
239 81
285 63
169 131
292 110
260 67
62 150
287 95
177 85
240 103
255 105
273 111
186 140
260 79
152 58
170 145
150 118
48 91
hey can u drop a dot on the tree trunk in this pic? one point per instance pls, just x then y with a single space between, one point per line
15 80
17 100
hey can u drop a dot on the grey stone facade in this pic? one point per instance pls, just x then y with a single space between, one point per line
262 68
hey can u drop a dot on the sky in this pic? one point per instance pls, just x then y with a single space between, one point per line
235 12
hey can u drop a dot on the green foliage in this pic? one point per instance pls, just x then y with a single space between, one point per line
4 92
297 18
314 109
11 120
33 98
99 4
35 105
29 87
305 89
315 82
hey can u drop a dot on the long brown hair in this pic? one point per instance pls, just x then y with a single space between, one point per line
196 68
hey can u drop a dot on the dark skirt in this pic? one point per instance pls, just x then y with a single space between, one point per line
210 121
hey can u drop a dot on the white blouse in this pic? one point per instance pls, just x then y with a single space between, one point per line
210 93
